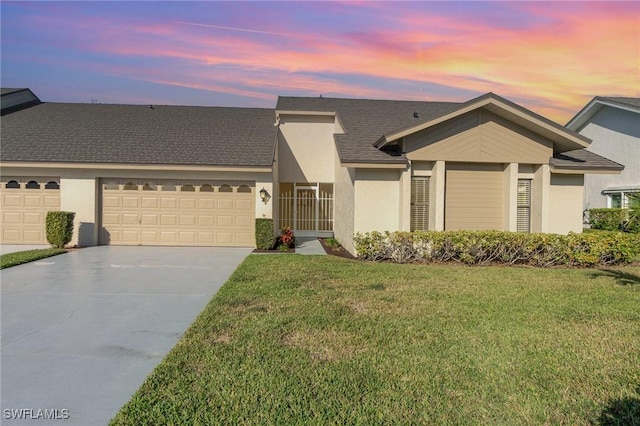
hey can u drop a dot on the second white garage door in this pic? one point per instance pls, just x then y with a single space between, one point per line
177 213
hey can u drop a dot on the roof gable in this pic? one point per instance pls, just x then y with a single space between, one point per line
563 139
583 117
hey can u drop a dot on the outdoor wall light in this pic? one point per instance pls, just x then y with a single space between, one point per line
264 196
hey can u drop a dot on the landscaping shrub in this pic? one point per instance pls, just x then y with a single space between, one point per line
286 238
482 247
59 228
627 220
264 233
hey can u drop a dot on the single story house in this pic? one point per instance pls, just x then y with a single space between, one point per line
182 175
613 125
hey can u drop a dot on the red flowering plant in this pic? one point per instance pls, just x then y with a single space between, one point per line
286 238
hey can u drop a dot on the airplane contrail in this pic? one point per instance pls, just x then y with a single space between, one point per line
247 30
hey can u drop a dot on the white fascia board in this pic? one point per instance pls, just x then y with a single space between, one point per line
122 166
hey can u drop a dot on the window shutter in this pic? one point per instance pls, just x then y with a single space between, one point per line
419 203
524 205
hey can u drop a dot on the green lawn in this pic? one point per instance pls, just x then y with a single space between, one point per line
18 258
321 340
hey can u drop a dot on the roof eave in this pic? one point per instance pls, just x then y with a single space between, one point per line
135 166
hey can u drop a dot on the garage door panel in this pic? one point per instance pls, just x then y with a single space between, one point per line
205 216
149 203
130 219
12 200
187 203
11 236
33 235
187 237
33 201
224 221
243 204
225 238
206 203
206 220
225 204
149 219
11 218
187 220
33 218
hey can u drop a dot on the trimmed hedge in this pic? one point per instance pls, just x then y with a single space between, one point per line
607 219
264 233
513 248
59 228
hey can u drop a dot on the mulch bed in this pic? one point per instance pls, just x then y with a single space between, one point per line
339 251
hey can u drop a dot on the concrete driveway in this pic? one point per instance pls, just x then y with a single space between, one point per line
82 330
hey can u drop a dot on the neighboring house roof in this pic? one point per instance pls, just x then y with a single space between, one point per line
12 100
139 134
365 120
581 159
583 117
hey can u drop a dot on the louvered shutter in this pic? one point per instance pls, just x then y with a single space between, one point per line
419 203
524 205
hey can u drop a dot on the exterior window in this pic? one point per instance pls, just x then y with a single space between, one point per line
225 188
149 187
419 203
244 188
188 188
615 201
524 205
206 188
168 187
12 184
130 186
52 185
32 184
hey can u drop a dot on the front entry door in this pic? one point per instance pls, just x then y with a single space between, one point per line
306 208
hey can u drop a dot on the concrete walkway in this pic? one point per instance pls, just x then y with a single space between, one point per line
81 331
309 246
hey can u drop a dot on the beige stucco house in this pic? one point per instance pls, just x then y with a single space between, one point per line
172 175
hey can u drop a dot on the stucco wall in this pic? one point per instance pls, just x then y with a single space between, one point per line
565 203
377 200
306 148
616 135
343 205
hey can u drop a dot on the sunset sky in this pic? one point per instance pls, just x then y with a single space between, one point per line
551 57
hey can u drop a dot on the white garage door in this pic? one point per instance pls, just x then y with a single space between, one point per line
177 213
24 203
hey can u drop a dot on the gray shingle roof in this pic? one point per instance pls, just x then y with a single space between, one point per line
366 120
8 90
100 133
581 159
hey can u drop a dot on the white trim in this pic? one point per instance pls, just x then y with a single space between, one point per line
125 166
375 165
584 171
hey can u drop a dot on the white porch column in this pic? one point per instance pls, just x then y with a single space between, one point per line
510 213
436 198
540 195
405 199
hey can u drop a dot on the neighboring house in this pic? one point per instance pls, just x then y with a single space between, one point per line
613 124
172 175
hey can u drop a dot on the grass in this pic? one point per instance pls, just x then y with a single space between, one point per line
18 258
321 340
